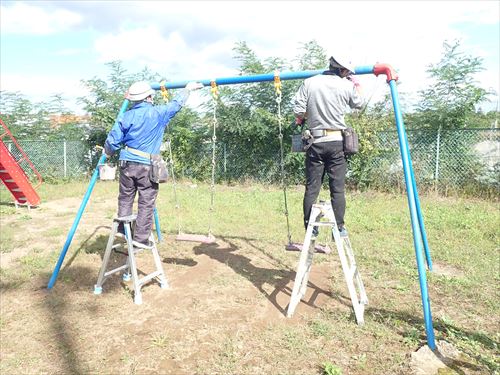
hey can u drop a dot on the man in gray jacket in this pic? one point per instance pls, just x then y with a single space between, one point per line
322 100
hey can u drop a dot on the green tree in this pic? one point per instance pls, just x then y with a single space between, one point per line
312 56
48 120
107 96
453 96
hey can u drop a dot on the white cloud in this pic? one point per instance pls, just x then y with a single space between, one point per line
185 40
39 88
22 18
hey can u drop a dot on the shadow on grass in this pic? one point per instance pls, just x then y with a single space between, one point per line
258 276
55 302
464 340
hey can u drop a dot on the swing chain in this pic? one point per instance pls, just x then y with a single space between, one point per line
277 88
215 95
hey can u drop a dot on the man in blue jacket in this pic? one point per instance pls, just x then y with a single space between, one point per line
323 100
139 134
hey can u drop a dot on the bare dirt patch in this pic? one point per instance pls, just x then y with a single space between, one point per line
446 270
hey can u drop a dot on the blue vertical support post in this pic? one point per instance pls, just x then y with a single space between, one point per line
379 69
412 203
79 214
419 210
157 225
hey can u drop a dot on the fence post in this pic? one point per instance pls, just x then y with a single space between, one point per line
225 159
65 161
438 149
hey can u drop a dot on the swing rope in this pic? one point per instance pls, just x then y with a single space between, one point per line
215 96
277 88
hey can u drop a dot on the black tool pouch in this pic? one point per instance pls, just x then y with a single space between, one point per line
158 172
351 142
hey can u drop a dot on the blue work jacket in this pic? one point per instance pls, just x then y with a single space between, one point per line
142 128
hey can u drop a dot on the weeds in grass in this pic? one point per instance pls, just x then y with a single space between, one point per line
160 340
320 328
331 369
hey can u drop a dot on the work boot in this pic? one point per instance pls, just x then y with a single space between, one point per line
148 245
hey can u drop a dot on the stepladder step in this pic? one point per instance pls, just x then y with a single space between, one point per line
128 249
322 216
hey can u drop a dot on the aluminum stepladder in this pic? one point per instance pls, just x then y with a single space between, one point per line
130 265
322 215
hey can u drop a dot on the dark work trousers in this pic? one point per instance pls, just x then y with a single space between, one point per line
325 158
134 177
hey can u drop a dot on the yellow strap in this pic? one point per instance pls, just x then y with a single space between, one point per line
277 82
164 91
214 89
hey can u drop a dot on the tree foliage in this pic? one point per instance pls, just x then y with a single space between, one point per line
248 126
49 120
452 98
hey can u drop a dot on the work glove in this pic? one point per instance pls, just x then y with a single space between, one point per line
107 151
298 122
354 80
191 86
307 140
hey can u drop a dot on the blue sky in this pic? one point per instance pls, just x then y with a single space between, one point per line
48 47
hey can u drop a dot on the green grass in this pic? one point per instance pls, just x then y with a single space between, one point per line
463 235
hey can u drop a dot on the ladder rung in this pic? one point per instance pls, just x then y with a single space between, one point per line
323 223
151 276
3 171
16 189
115 270
9 180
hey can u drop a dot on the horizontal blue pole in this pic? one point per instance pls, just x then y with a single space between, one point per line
256 78
79 214
407 169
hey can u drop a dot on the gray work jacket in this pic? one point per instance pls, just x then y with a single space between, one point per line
324 99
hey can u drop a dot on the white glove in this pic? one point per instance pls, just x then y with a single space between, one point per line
191 86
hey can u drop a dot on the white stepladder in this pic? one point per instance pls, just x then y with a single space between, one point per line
322 215
130 265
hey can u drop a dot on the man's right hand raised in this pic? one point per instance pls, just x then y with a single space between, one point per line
191 86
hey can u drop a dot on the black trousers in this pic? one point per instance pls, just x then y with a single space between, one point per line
325 158
134 178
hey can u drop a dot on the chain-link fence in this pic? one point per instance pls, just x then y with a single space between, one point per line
55 159
443 158
455 159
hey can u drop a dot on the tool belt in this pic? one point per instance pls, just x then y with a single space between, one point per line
158 172
138 152
318 133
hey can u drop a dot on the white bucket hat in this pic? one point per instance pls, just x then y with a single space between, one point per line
139 91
